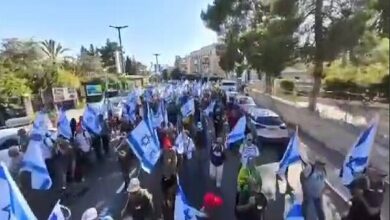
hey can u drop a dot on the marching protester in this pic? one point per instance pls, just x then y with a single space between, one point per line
368 193
105 134
139 204
15 163
169 180
211 205
217 158
250 201
184 147
248 150
313 184
82 152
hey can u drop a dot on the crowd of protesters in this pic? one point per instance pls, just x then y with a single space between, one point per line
68 160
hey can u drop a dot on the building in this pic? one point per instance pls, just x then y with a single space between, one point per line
204 61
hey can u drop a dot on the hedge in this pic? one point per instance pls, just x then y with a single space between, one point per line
287 85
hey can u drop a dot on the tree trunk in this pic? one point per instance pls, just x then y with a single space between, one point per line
318 56
268 84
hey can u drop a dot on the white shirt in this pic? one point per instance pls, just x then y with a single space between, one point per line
184 144
83 141
248 152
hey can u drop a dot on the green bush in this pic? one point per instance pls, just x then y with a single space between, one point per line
287 86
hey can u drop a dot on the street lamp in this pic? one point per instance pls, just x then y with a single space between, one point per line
119 28
156 55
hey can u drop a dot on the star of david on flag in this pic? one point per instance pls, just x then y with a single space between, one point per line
183 211
13 206
188 108
357 159
33 161
291 155
143 145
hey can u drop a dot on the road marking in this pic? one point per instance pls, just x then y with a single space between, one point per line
120 189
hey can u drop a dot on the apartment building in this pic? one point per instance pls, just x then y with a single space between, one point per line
204 61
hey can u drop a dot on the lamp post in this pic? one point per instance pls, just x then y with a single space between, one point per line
119 28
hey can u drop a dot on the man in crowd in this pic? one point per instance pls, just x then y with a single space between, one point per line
217 158
313 185
368 191
248 150
139 203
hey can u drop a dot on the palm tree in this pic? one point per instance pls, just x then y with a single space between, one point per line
52 49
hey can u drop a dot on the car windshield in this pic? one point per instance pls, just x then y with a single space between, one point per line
245 101
268 120
228 84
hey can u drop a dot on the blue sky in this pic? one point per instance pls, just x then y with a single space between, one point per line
169 27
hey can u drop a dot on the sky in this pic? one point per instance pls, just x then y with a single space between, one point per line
168 27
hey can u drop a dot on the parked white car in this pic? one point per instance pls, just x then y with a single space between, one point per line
267 125
8 138
245 102
230 95
228 85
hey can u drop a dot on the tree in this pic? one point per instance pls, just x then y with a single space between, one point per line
165 74
88 65
52 49
336 30
128 66
176 74
107 55
12 86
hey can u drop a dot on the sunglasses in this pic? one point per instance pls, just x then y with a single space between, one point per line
249 140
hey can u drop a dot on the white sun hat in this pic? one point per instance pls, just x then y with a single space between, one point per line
134 185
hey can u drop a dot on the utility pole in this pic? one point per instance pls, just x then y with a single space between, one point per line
119 28
156 55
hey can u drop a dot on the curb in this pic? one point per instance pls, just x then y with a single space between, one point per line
335 190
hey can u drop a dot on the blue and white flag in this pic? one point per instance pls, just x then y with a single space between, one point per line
33 161
13 206
156 117
183 211
144 146
64 125
291 155
164 112
210 108
91 121
295 212
358 158
188 108
238 132
57 214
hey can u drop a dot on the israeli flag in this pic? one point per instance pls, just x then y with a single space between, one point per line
91 121
149 123
57 214
183 211
291 155
13 206
33 161
188 108
238 132
144 146
64 126
157 117
210 108
164 112
295 212
357 159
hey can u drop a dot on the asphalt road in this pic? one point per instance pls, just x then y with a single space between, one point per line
104 182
